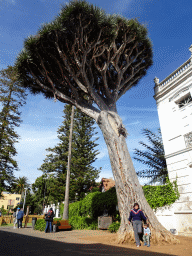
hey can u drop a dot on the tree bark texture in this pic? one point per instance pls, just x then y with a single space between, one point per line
127 184
66 205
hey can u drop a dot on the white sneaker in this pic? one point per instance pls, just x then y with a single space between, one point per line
137 245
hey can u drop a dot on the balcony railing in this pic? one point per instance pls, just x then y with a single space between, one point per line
188 139
173 76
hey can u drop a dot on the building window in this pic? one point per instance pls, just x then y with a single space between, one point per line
17 198
188 139
185 100
10 207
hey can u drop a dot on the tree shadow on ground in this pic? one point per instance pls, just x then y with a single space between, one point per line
14 244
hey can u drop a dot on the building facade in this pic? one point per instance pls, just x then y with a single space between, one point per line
9 201
173 96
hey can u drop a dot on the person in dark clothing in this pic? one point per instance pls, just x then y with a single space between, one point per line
49 219
136 215
20 215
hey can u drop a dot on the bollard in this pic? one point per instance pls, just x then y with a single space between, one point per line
34 219
54 228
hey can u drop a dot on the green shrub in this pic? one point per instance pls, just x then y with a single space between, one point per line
158 196
57 219
78 222
40 225
114 227
4 223
117 217
93 205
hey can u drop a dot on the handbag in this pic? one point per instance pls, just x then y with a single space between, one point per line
46 217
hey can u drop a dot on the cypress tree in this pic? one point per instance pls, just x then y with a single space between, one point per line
83 174
12 96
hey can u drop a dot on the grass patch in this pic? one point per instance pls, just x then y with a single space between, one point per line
11 225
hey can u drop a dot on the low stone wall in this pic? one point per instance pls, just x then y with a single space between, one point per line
171 218
9 219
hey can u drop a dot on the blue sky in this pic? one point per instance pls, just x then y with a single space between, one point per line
170 27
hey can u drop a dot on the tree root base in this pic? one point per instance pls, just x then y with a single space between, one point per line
157 238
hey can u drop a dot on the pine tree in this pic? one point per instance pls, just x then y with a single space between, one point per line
12 96
83 174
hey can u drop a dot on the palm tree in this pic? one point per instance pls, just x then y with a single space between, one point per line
153 157
20 184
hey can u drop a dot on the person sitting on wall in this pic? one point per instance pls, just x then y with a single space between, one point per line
49 219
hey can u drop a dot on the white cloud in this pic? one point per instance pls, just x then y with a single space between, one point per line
9 1
134 123
120 6
133 109
103 151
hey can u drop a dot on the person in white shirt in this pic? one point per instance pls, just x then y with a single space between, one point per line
146 235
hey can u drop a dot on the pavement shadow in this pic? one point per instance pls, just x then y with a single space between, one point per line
15 244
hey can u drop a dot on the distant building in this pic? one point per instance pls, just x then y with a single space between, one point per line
106 184
9 200
173 96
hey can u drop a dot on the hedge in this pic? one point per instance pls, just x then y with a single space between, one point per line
93 204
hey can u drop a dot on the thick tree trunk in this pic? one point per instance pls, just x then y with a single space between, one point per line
127 184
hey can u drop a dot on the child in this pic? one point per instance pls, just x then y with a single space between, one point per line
146 235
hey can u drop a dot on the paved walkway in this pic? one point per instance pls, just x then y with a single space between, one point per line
70 236
28 242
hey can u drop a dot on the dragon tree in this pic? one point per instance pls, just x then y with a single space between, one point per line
90 60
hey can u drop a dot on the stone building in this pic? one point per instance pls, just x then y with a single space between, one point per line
173 96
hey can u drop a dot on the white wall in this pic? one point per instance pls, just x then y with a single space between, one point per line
175 122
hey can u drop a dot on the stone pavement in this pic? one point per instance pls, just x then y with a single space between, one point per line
68 236
28 242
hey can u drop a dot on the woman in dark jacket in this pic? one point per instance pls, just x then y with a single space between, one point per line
49 219
136 215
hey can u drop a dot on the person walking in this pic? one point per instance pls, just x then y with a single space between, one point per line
49 219
20 215
136 215
14 220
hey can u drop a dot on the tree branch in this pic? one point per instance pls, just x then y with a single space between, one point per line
84 107
127 87
67 66
129 63
127 80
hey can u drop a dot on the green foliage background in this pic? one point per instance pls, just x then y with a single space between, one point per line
83 214
40 225
158 196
